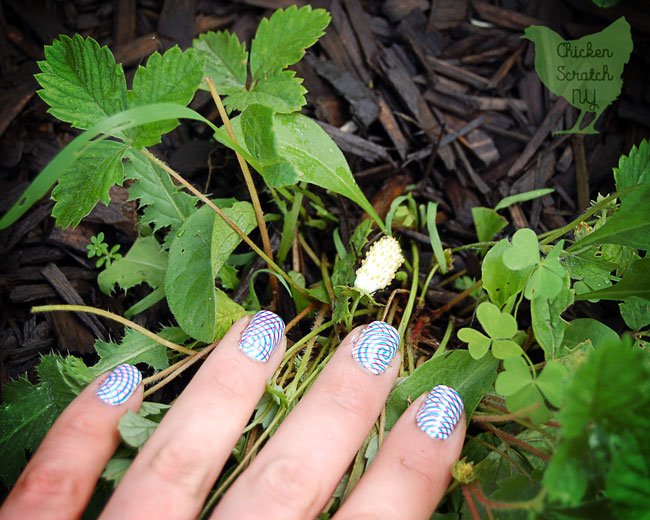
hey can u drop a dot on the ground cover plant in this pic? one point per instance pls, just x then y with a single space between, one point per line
558 408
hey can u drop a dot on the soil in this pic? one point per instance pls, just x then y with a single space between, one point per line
439 98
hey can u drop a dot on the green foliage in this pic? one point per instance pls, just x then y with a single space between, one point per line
470 378
629 226
636 312
577 373
170 78
145 262
546 315
487 223
633 168
92 173
225 60
81 81
201 247
522 197
524 391
30 409
136 348
434 237
604 432
280 41
502 283
636 282
99 248
500 326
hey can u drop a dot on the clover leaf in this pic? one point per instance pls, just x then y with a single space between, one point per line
500 327
522 390
523 252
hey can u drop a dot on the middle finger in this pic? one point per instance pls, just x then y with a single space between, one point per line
296 472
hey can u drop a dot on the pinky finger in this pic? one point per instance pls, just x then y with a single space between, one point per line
60 477
412 470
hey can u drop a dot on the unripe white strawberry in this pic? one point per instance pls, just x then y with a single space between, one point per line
378 268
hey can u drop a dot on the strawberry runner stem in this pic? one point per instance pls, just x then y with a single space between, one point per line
266 242
273 266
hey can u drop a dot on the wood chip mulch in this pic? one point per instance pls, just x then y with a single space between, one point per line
439 97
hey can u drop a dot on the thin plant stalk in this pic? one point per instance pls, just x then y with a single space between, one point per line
227 220
259 214
181 369
115 317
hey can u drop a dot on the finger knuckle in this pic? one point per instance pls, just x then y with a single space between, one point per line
348 398
183 465
419 470
47 482
289 483
228 379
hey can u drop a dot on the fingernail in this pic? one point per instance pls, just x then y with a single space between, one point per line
440 412
120 384
376 346
264 332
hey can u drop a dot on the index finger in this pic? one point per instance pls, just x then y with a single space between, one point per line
61 475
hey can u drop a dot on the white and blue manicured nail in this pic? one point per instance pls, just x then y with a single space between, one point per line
120 384
440 412
264 332
376 346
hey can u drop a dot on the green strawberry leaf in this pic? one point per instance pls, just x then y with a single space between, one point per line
633 168
163 202
281 40
635 312
81 81
524 251
30 410
145 262
225 61
282 92
93 173
136 348
171 78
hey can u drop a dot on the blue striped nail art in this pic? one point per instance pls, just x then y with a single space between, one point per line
376 346
262 335
119 385
440 412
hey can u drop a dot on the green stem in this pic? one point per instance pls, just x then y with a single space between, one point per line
115 317
445 339
227 220
259 214
549 236
412 293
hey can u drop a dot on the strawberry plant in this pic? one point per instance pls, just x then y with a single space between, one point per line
556 404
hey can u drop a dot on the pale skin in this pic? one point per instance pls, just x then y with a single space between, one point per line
293 476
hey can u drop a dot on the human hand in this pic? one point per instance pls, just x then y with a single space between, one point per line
294 474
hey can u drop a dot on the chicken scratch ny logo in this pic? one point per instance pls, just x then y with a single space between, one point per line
586 72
